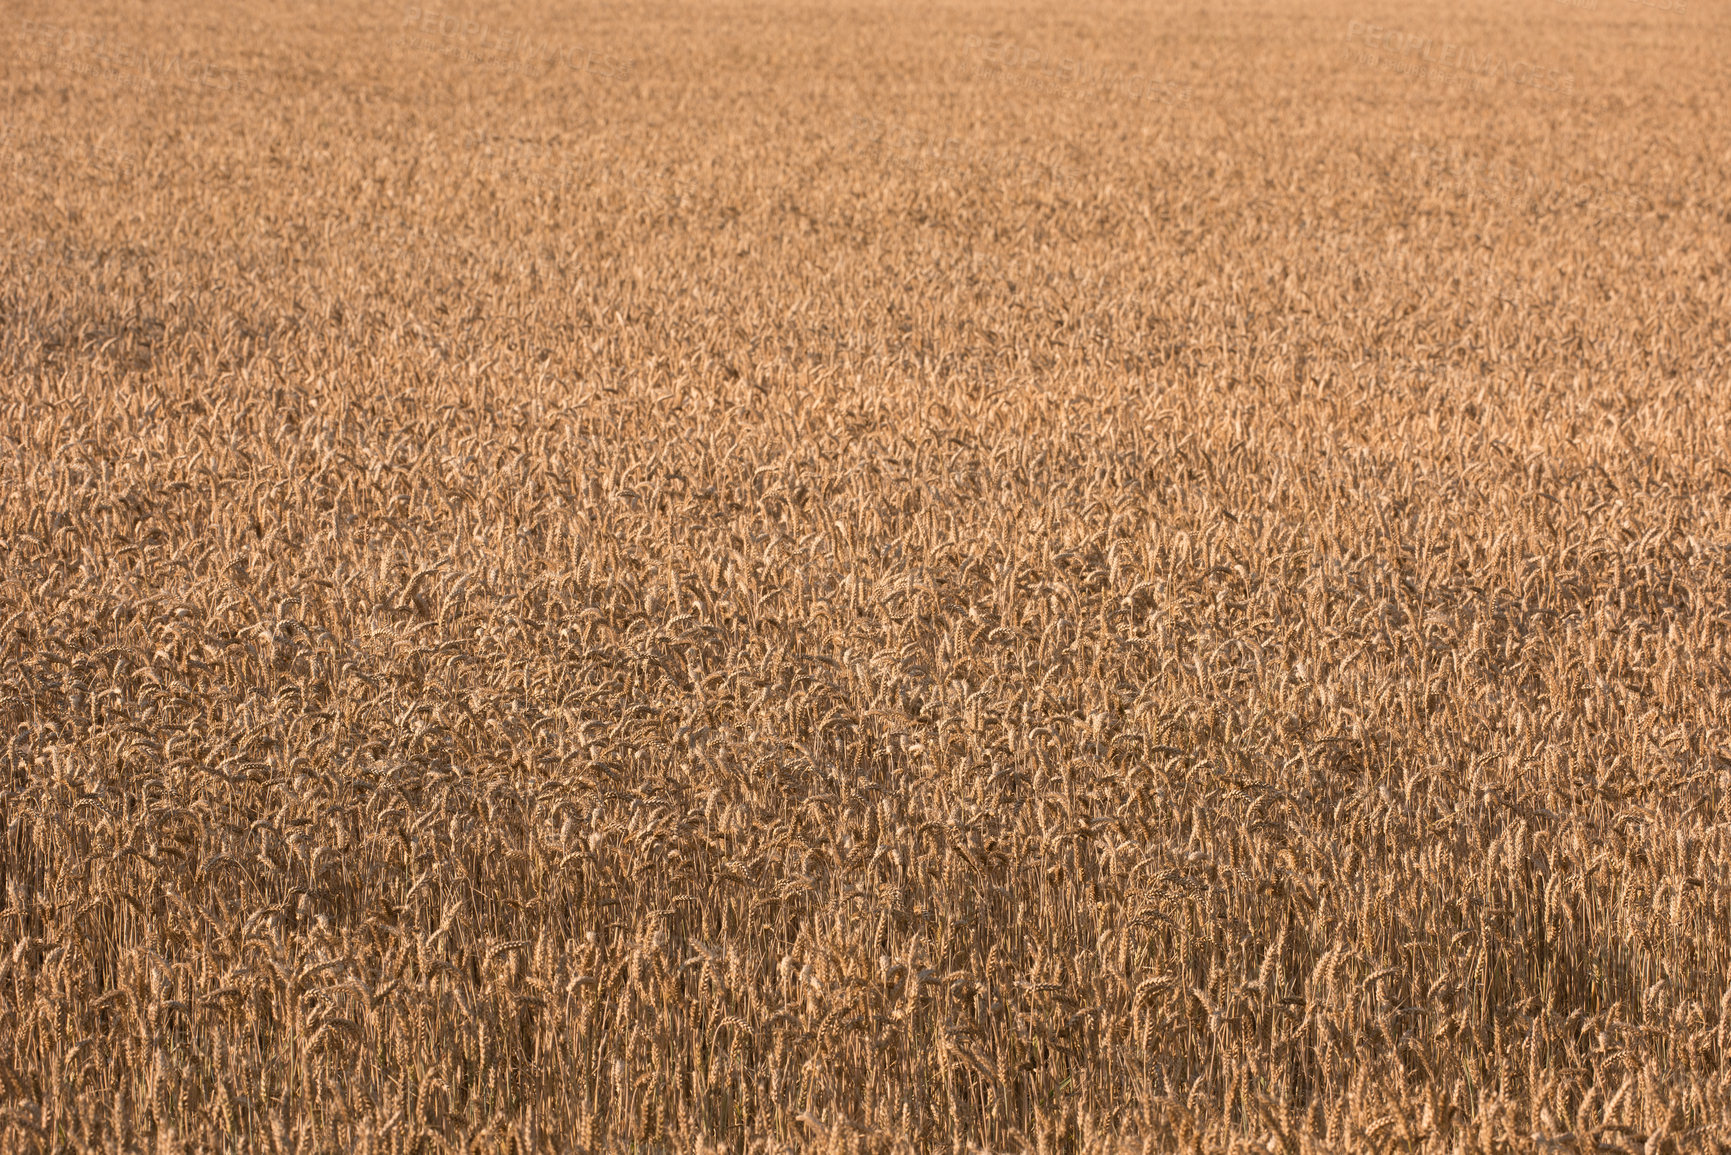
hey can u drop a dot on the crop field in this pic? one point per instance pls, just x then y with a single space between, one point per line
875 577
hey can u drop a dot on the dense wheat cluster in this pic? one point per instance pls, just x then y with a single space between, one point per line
771 576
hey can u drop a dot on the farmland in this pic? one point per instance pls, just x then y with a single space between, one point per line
888 577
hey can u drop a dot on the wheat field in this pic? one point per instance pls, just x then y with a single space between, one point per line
768 576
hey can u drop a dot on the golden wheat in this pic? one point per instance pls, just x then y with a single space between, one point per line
765 577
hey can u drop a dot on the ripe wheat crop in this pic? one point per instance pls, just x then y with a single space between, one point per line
735 576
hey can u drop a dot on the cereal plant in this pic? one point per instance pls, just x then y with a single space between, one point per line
557 594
